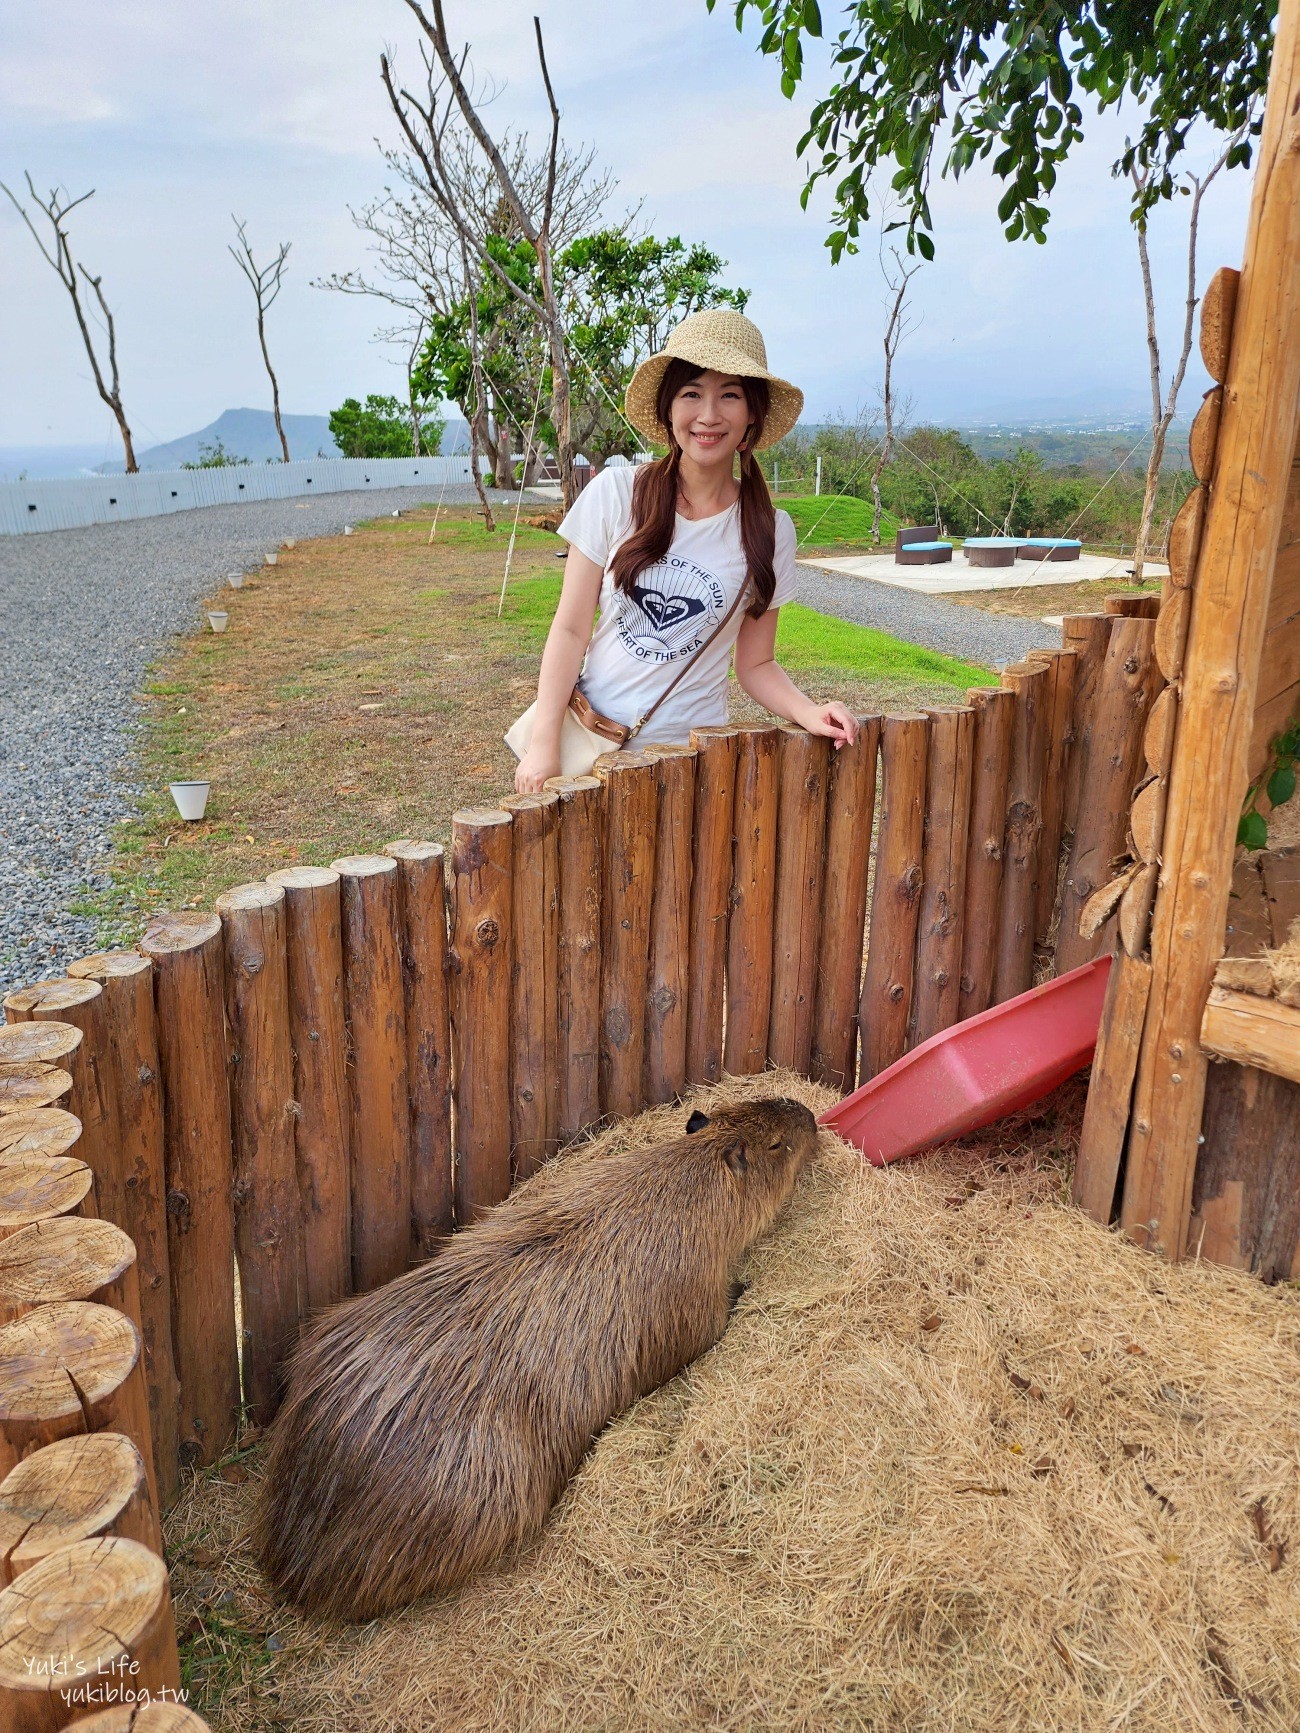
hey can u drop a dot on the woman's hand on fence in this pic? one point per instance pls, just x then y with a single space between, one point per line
833 719
534 768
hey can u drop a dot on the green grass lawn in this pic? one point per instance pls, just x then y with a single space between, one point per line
806 642
824 521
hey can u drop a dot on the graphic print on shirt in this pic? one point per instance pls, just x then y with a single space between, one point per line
672 609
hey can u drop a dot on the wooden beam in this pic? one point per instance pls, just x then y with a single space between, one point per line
1229 609
1253 1031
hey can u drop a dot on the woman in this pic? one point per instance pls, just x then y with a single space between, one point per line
665 550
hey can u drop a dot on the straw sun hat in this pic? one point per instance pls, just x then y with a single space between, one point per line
727 342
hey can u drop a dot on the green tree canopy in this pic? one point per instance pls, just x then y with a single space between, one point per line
620 296
1005 81
381 427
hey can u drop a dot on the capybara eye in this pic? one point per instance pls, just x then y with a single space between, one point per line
697 1121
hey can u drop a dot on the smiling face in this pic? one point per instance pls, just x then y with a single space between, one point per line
709 416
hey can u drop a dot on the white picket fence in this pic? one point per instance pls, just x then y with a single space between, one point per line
30 506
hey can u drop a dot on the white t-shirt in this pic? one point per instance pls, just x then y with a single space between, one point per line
641 638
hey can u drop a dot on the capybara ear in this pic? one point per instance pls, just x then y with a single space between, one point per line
735 1157
697 1121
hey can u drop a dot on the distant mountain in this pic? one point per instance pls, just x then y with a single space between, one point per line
250 434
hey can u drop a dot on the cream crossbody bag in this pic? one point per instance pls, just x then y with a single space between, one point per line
586 735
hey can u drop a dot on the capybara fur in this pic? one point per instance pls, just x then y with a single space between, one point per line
429 1426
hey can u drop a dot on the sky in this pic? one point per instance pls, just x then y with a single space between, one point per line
178 116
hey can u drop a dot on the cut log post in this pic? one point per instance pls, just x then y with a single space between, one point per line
153 1718
716 750
128 1000
668 1000
28 1040
318 1034
1136 607
631 800
749 936
37 1188
887 983
1088 635
1110 1089
374 1001
39 1131
936 1001
68 1258
1062 666
29 1084
268 1241
66 1368
189 997
850 817
96 1611
581 852
93 1097
534 986
803 776
1112 767
422 874
1015 965
77 1489
480 1006
995 715
1204 437
1255 351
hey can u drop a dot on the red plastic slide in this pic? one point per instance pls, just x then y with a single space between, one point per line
977 1071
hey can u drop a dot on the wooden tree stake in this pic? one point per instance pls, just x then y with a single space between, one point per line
716 751
381 1117
887 981
753 886
480 960
850 815
803 773
667 1014
189 997
581 852
534 903
318 1033
76 1489
421 871
631 801
936 1000
267 1209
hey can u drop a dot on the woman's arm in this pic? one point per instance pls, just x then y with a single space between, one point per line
566 645
763 678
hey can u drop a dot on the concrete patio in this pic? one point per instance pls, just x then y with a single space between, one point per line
956 576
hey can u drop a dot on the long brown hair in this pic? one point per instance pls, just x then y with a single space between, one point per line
654 495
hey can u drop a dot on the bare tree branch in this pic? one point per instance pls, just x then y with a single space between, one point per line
265 282
896 328
56 209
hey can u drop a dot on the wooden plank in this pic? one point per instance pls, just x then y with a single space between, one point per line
1088 635
1229 612
1015 965
1246 1196
1110 1089
1280 871
534 1007
1252 1031
582 853
667 1002
1064 666
631 821
482 847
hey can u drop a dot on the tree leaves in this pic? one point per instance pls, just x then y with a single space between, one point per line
1007 76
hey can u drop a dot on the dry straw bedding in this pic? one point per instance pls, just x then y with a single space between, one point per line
962 1460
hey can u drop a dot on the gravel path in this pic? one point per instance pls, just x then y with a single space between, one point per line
992 640
82 614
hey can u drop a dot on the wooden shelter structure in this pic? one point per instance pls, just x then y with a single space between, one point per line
1192 1136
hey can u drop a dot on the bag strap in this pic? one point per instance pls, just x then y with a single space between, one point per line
717 631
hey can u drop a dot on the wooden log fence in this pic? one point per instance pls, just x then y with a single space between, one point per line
343 1063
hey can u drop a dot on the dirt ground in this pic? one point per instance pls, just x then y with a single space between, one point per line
1036 601
962 1460
358 694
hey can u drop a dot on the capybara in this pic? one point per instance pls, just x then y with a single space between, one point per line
429 1426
